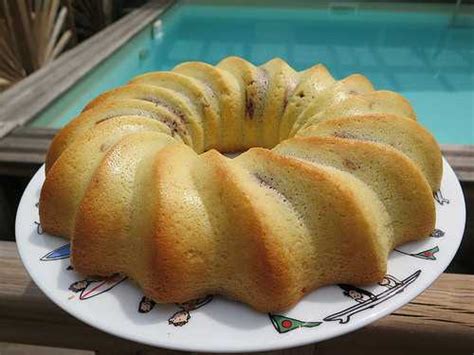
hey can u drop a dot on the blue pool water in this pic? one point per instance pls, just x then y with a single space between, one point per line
422 55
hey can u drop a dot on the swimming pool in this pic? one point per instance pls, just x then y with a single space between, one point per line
421 54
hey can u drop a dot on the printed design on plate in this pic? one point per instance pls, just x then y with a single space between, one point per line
438 196
39 229
437 233
366 300
145 305
63 252
92 287
181 317
284 324
428 254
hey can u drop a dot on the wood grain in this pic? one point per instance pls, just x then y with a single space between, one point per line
34 132
458 149
439 321
461 159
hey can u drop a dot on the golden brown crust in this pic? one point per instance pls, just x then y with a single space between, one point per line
180 260
226 88
108 236
88 119
70 175
359 227
282 83
392 175
253 82
352 86
404 134
171 100
187 269
202 98
311 82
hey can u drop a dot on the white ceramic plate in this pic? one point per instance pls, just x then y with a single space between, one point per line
216 325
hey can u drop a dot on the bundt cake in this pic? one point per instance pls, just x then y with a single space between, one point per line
334 174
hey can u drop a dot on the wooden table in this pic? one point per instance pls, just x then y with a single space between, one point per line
439 321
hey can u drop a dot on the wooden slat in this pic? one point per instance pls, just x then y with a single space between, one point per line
22 102
20 144
439 321
441 304
24 150
461 162
34 132
465 175
461 159
6 126
22 157
457 149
